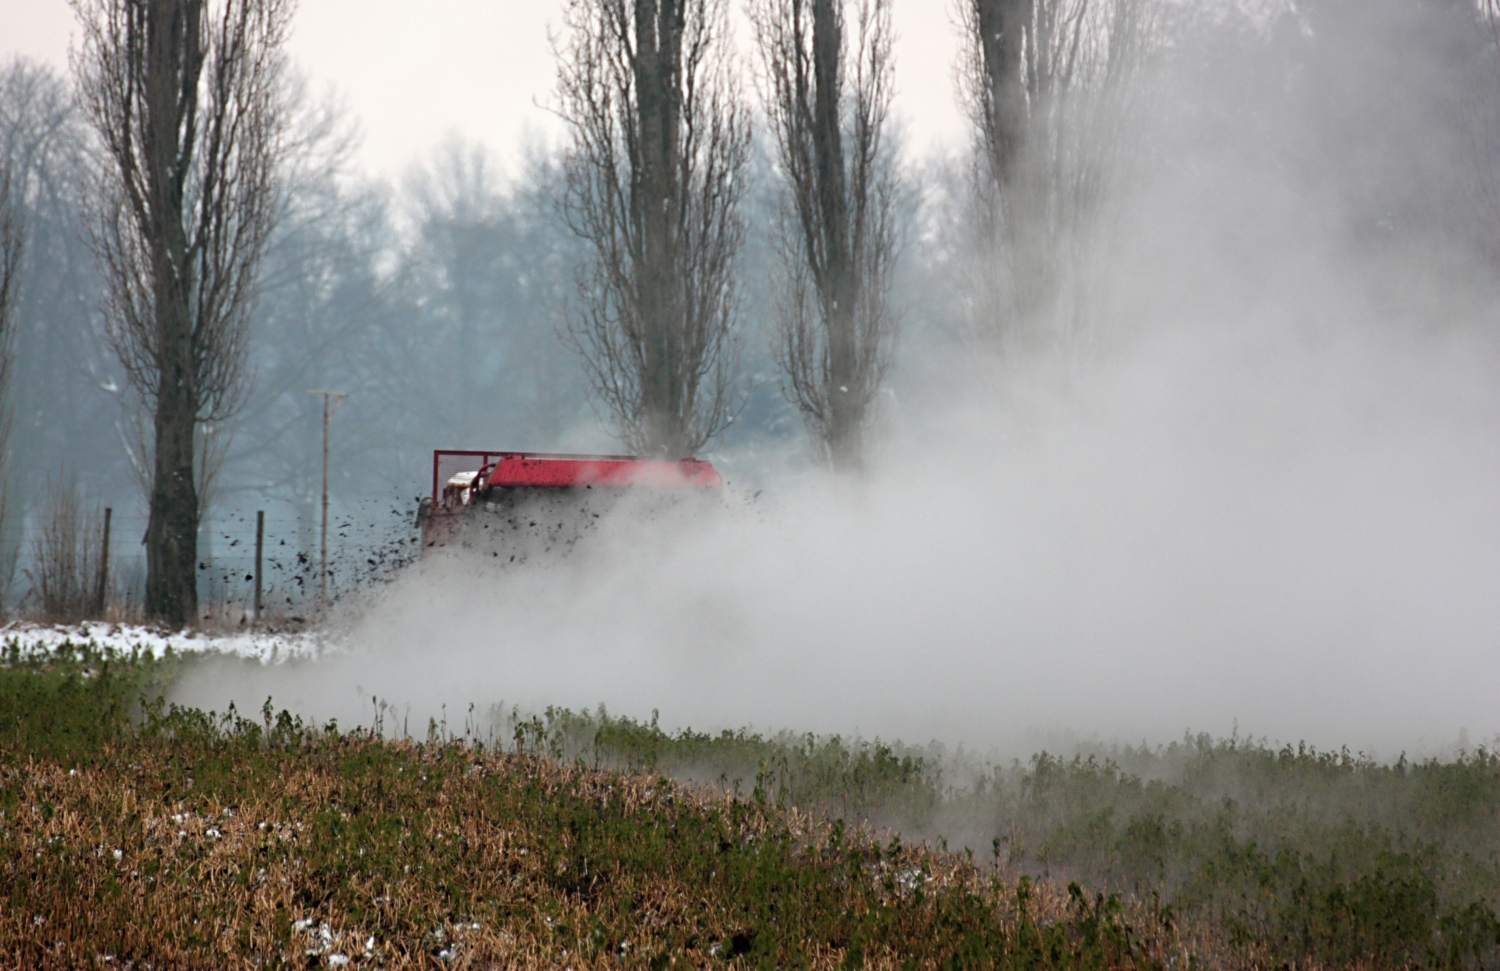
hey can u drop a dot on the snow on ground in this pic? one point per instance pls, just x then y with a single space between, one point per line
262 645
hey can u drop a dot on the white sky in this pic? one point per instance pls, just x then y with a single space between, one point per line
415 70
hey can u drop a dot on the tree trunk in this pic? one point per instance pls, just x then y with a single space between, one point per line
172 534
658 27
1009 50
839 284
1002 30
173 67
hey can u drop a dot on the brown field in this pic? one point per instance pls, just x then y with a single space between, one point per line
190 848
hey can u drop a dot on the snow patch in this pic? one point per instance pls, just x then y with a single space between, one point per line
265 646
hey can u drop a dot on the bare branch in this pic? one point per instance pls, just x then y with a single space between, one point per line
1051 87
654 177
828 99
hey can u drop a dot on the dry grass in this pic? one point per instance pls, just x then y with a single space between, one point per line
154 838
189 846
66 553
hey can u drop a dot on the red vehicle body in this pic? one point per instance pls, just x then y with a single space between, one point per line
464 482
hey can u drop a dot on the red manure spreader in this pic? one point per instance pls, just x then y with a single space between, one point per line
528 497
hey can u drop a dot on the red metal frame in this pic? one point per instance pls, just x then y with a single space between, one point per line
562 471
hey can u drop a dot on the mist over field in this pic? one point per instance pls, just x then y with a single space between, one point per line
1189 561
1254 489
1247 482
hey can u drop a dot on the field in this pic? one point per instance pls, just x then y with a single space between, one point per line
135 834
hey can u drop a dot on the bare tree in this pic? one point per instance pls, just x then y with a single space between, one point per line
186 98
12 241
1050 86
654 177
58 379
829 104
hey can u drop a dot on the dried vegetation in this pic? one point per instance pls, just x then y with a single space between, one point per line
146 836
185 840
65 578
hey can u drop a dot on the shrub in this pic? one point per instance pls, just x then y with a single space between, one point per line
65 556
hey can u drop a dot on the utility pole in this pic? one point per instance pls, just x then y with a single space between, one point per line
337 398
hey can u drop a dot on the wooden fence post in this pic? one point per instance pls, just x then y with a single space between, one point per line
260 539
101 594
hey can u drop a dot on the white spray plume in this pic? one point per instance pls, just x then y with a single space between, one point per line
1174 549
1268 494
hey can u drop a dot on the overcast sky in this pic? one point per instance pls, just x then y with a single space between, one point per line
413 72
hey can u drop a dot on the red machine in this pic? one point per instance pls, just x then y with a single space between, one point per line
464 482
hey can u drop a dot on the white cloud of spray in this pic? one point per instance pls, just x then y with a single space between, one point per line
1173 549
1271 502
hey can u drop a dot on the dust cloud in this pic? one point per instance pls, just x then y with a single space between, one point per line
1162 556
1259 491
